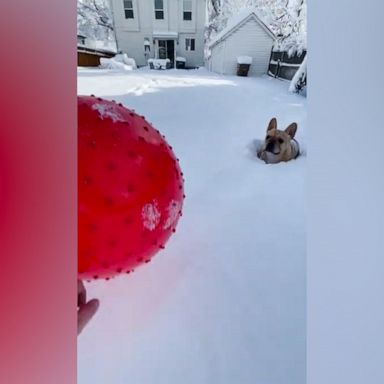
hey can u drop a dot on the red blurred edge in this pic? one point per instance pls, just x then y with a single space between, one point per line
38 192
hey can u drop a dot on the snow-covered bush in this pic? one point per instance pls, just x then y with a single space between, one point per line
299 81
123 58
106 63
120 61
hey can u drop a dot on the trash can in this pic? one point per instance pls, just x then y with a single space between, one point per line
243 65
243 69
180 62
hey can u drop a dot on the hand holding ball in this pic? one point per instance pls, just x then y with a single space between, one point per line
130 189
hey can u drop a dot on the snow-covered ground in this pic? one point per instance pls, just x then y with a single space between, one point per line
225 301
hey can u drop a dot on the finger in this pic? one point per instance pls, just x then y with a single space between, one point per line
81 294
85 314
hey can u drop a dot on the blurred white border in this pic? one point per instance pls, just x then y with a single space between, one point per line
345 193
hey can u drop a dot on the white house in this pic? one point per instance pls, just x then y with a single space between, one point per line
245 35
160 29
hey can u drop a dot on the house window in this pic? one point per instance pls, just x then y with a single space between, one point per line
187 9
159 9
128 9
189 44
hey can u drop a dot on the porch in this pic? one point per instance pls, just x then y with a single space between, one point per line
165 46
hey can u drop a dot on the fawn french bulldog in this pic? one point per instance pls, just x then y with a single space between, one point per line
279 145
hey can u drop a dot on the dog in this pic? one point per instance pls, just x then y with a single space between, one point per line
279 145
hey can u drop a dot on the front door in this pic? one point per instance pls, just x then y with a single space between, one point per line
167 50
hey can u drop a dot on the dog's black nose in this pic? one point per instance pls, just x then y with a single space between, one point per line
270 146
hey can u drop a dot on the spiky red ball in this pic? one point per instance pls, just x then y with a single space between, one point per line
130 189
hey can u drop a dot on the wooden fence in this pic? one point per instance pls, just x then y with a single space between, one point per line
284 67
87 57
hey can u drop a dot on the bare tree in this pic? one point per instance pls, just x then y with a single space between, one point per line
294 26
94 18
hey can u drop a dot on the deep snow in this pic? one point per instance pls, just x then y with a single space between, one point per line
225 301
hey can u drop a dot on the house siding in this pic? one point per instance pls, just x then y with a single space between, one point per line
194 58
250 39
131 33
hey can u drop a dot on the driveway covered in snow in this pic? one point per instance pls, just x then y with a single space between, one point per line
225 301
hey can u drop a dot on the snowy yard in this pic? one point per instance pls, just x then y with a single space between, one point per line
224 303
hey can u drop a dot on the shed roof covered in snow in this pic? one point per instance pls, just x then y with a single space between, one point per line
237 21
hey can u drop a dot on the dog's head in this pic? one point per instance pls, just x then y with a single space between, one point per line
279 142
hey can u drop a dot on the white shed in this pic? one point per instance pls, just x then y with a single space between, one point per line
245 35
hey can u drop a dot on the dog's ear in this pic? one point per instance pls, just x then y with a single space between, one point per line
272 124
291 130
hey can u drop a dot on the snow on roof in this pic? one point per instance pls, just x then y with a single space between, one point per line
97 52
98 45
235 21
171 34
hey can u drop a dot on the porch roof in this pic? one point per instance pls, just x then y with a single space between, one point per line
165 34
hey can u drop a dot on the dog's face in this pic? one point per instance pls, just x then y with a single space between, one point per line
278 143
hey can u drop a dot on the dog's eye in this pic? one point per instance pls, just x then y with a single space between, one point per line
268 137
281 141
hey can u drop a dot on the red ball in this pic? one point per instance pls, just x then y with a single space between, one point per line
130 189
